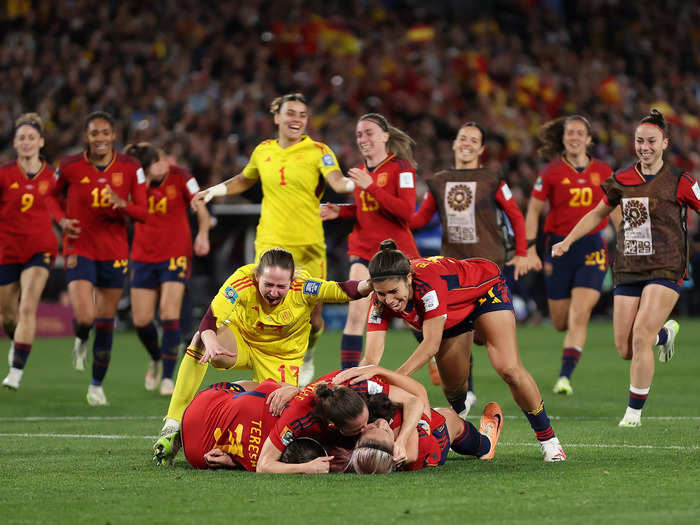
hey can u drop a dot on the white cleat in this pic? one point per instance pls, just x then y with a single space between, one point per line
154 375
469 403
167 387
11 354
96 396
307 370
80 351
631 419
552 450
666 350
563 386
11 382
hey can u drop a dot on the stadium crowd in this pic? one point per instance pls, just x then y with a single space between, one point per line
198 85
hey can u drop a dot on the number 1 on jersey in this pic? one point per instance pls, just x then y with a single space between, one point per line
282 181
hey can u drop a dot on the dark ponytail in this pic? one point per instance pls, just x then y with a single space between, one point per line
337 404
145 152
655 118
389 263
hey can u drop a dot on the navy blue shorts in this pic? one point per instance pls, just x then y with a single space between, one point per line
497 298
9 273
102 274
584 265
635 289
152 275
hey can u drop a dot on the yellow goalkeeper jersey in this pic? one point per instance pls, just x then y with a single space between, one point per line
293 181
274 330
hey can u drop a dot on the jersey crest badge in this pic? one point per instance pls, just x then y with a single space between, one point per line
117 179
595 178
285 316
43 186
170 191
231 294
311 288
381 179
327 160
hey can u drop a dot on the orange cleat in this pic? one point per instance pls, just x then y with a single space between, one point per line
491 425
434 372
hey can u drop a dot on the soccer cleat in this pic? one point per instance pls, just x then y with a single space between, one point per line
96 396
154 375
631 419
552 450
11 382
469 403
80 351
434 372
11 354
563 386
167 445
167 387
307 370
666 350
491 425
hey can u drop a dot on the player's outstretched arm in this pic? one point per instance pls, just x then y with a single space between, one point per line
232 186
340 183
269 461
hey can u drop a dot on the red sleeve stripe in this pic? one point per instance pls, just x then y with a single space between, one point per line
243 279
687 177
243 286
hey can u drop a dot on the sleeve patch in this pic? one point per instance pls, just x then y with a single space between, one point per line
430 301
311 287
373 387
375 315
192 186
696 190
406 179
539 184
328 160
231 294
287 437
507 194
140 176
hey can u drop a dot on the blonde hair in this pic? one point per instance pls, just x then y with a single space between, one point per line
371 457
30 119
399 143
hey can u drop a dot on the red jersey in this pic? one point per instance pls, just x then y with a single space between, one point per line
442 287
26 206
384 209
235 422
166 232
570 194
433 440
298 419
103 229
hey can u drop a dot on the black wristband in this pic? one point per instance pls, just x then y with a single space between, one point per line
531 242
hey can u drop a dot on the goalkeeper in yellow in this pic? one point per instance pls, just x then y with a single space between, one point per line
293 170
259 320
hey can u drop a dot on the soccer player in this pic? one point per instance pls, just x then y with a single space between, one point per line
385 197
258 321
292 170
104 188
571 184
446 298
28 245
652 255
161 259
471 200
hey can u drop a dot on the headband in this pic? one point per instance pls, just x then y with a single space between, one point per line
656 126
388 273
379 121
32 123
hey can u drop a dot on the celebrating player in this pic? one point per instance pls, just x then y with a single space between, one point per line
470 198
28 244
652 254
571 183
446 298
385 197
161 258
259 320
292 170
103 189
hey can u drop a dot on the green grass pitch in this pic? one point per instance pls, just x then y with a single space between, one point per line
62 461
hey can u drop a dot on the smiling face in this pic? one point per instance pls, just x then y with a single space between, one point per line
100 137
371 140
28 141
576 138
468 147
395 293
291 121
649 144
274 283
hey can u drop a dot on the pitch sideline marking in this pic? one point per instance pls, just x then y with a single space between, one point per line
507 444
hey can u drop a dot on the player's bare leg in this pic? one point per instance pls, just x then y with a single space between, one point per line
82 298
